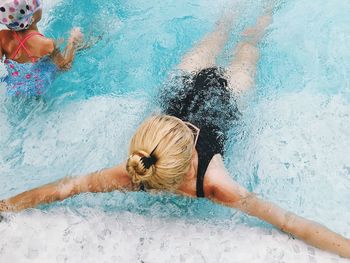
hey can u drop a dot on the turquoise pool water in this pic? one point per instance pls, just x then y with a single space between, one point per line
292 146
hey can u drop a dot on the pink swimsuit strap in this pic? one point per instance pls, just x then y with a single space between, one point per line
22 44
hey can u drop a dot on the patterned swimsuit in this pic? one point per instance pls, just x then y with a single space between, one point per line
30 79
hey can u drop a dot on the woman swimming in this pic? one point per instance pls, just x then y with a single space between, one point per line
180 151
32 60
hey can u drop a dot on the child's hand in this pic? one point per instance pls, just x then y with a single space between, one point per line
76 36
3 206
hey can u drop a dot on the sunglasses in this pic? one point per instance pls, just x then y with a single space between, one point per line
195 130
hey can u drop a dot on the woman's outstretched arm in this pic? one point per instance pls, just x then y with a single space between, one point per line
229 193
102 181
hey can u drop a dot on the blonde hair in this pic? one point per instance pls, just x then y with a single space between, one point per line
172 144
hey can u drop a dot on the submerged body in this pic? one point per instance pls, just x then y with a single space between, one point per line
203 99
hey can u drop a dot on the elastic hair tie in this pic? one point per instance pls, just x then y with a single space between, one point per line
149 161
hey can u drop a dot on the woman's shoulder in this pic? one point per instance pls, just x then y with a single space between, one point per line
215 175
220 186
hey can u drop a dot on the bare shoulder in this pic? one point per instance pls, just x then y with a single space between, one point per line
4 36
216 176
220 185
4 40
4 32
47 45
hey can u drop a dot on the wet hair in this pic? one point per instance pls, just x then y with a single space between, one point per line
160 153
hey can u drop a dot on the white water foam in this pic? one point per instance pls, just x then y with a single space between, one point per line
94 236
77 138
295 146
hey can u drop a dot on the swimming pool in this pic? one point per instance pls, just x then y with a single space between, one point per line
292 149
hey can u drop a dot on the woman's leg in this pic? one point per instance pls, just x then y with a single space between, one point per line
204 54
241 71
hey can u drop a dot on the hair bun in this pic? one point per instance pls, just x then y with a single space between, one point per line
139 166
148 161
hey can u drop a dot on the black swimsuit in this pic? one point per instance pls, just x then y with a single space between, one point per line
204 100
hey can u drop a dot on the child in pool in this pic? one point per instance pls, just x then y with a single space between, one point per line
31 59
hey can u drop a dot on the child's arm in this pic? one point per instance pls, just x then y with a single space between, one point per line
64 59
1 52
